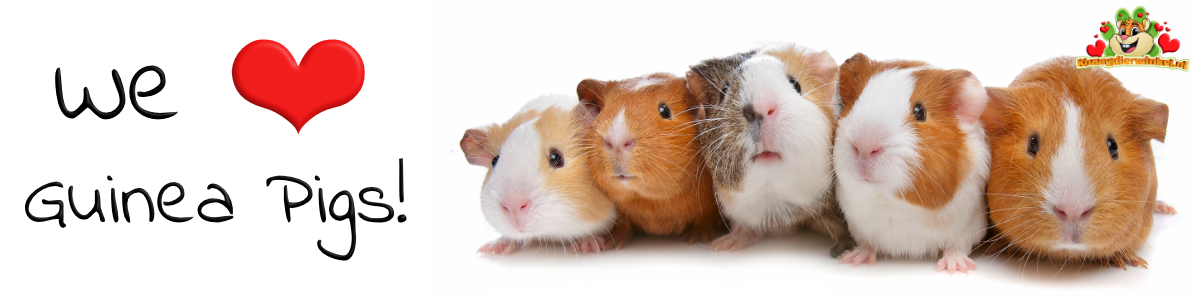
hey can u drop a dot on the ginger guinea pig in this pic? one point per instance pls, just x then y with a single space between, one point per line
1072 174
912 161
538 186
767 132
642 149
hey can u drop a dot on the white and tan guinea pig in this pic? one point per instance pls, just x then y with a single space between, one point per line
1073 174
912 161
767 134
538 185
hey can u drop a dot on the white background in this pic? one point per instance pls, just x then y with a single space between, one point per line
437 69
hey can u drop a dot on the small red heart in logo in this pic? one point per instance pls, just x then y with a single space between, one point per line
1096 35
1168 29
1139 15
266 74
1168 44
1095 49
1158 27
1104 29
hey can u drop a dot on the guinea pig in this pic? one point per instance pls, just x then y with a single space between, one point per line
1072 175
911 158
642 149
538 186
767 129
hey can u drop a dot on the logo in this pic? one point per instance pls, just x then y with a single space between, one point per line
1132 39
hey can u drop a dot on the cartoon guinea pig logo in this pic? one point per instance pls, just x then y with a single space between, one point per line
1133 35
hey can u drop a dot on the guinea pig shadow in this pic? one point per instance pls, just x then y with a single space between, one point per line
641 246
1042 269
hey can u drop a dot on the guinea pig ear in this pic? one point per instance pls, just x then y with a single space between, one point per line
1153 115
970 99
701 90
824 67
474 147
591 100
852 76
997 104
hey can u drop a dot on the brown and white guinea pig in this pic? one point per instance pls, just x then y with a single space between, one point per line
912 161
767 130
538 186
642 149
1073 174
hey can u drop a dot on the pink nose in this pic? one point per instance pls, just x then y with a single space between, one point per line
619 143
1072 213
517 210
867 150
766 108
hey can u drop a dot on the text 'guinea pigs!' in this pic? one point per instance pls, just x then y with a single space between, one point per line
767 130
1073 174
912 160
538 186
642 147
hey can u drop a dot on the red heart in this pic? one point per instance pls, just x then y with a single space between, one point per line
1158 27
1096 35
1139 15
1168 44
1096 50
266 74
1104 29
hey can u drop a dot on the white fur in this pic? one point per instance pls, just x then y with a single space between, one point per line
1069 182
877 217
801 136
552 216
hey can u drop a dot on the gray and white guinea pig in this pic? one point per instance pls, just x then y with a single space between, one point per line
767 134
1073 175
538 185
912 159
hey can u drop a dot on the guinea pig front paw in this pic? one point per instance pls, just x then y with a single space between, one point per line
585 245
500 246
1164 208
621 233
1121 260
860 255
735 240
955 261
699 233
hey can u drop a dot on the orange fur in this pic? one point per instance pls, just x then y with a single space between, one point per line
1124 188
671 192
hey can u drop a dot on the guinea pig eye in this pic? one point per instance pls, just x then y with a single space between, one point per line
795 85
1133 31
919 112
494 160
664 111
556 159
1122 31
1033 145
1112 148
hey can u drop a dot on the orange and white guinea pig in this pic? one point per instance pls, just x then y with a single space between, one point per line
642 149
538 186
1072 174
912 160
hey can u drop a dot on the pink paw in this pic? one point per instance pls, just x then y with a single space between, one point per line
860 255
500 246
952 262
734 241
584 245
1164 208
